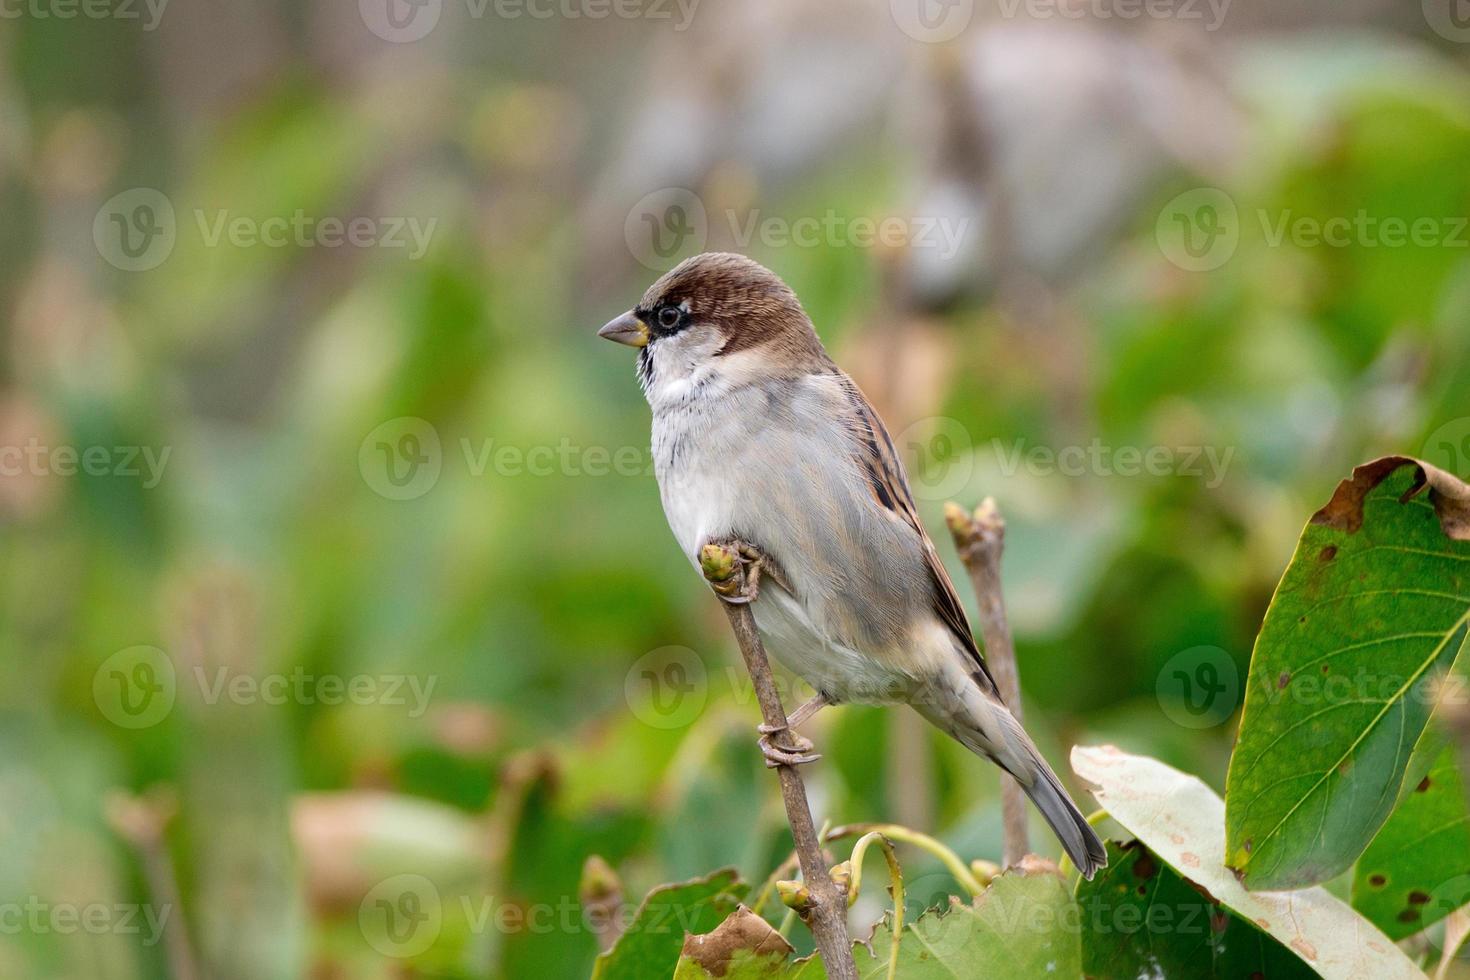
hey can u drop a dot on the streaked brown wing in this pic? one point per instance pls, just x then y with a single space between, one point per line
890 487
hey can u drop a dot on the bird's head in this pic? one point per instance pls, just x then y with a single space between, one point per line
710 308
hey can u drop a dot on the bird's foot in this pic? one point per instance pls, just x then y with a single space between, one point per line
797 750
734 570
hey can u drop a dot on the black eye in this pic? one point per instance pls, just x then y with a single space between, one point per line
668 317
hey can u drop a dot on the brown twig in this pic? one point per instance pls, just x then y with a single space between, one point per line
980 540
601 894
1456 714
826 913
142 821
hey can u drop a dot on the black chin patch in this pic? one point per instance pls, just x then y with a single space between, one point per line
645 366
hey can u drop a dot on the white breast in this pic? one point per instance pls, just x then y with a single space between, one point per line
734 462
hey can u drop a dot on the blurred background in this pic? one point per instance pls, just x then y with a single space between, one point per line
340 622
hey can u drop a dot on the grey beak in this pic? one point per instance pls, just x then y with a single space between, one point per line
626 329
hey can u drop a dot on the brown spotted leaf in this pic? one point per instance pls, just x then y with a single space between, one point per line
1417 870
743 947
1368 618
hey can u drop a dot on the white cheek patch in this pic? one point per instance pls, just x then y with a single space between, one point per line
681 361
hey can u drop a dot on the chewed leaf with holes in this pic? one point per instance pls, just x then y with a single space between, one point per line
1417 870
1368 618
1023 925
651 945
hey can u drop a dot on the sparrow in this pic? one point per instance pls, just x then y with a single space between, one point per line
760 440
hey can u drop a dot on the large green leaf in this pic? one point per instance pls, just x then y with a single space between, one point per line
651 945
1023 925
1372 610
1182 821
1417 870
1141 919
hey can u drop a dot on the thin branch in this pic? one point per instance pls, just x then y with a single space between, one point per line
1456 931
980 540
143 821
826 914
1455 711
601 894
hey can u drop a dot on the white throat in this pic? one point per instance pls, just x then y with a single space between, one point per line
678 367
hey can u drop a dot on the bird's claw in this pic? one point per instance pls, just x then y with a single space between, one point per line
734 591
735 570
798 750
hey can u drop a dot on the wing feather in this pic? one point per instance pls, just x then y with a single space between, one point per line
890 486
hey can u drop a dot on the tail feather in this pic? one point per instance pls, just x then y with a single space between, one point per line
984 726
1078 838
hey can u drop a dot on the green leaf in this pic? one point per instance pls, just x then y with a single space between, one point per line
1182 821
1417 870
1371 612
1023 925
652 943
1142 919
